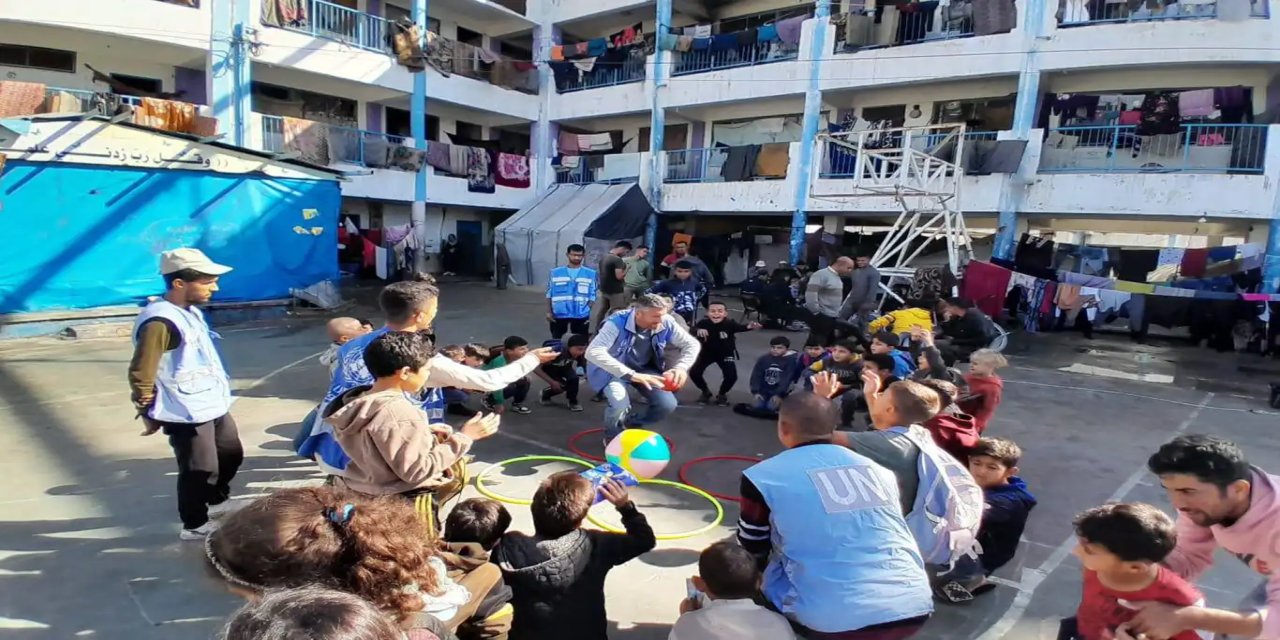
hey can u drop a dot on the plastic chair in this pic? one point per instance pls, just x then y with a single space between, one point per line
750 305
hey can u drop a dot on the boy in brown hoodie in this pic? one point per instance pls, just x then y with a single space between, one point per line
392 447
471 531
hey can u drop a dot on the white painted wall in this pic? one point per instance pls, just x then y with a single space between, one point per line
394 185
1172 42
1182 76
144 20
135 59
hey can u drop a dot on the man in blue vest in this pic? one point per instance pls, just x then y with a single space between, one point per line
179 386
842 564
571 291
630 350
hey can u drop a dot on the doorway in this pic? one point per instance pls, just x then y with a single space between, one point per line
470 248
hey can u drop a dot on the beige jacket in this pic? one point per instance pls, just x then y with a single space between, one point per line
392 448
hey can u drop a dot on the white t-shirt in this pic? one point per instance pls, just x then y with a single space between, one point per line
732 620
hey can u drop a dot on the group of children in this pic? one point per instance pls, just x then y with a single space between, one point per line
562 375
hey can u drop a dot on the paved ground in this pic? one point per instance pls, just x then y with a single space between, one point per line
88 544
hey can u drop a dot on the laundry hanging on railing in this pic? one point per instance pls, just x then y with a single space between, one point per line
407 44
284 13
512 171
308 139
21 98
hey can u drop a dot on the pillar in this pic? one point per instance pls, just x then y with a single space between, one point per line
545 132
1024 118
809 130
1271 257
660 73
228 78
418 129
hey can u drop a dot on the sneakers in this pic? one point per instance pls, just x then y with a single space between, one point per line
722 400
575 407
599 397
544 398
520 408
223 508
705 398
198 533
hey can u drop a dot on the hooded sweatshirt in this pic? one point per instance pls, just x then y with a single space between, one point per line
1003 519
955 432
557 584
773 375
1253 539
392 448
985 393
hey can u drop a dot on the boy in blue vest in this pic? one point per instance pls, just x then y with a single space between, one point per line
571 291
846 565
179 386
630 352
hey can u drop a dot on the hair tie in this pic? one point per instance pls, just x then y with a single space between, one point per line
340 517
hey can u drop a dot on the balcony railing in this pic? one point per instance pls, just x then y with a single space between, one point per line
1195 148
696 165
347 145
1094 12
336 22
944 23
84 97
619 168
688 62
839 161
603 75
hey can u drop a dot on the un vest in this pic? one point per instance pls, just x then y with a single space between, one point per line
598 377
571 296
191 384
843 558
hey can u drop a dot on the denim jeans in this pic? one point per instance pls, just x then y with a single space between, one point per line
617 417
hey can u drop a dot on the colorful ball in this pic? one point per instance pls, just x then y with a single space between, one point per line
643 453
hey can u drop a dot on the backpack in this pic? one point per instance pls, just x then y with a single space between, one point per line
947 511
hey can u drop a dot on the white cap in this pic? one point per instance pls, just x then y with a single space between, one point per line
193 259
761 264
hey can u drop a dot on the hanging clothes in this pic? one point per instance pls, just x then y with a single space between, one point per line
1160 114
1219 254
1196 104
1034 251
513 171
438 155
986 284
773 160
1193 262
1170 256
307 139
21 98
740 163
479 174
1135 264
789 30
459 160
993 16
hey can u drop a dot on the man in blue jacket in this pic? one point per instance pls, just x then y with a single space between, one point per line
631 350
571 291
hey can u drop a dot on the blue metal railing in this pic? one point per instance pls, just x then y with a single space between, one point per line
841 162
85 96
605 75
913 28
1077 15
338 23
1194 148
349 144
619 168
688 62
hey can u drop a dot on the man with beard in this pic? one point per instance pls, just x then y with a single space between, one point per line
571 290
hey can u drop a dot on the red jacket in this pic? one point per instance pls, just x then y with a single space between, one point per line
955 433
984 396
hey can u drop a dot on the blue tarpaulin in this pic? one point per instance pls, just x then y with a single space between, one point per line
82 236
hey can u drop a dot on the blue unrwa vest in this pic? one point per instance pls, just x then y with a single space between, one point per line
191 384
571 295
843 558
598 377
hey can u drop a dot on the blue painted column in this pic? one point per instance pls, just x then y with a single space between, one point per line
229 92
657 80
545 132
809 132
1271 255
1024 117
418 129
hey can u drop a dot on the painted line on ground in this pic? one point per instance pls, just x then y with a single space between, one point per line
1139 395
1033 579
274 373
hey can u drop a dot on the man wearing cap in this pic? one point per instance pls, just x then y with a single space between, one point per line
179 386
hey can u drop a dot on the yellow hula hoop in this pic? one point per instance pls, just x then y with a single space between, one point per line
715 522
486 492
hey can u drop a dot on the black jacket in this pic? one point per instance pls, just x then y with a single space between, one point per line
558 584
973 329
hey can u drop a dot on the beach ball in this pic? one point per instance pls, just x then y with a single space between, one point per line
643 453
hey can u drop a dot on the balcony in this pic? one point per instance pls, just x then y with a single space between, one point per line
839 162
1080 13
345 145
1196 148
729 164
605 74
618 168
333 22
727 56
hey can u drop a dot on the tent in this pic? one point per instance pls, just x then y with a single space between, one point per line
594 215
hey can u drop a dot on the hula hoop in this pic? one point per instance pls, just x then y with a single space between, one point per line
591 517
684 469
486 492
573 444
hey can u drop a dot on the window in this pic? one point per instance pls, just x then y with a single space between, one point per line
674 138
399 124
143 86
468 130
16 55
470 37
515 51
513 142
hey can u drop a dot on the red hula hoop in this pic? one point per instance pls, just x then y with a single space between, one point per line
684 470
573 445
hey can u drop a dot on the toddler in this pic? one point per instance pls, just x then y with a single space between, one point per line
985 387
341 331
728 579
312 612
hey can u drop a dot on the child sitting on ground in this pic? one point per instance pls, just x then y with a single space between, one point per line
813 352
902 322
729 578
930 365
953 430
562 375
879 364
456 399
887 343
985 387
392 447
844 362
993 463
719 347
475 355
341 331
773 373
513 348
471 531
557 575
312 612
1121 546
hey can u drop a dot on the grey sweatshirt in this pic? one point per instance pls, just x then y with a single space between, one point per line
866 283
824 293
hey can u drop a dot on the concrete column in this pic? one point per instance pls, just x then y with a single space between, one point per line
657 80
545 132
809 130
418 129
1271 255
228 89
1032 24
